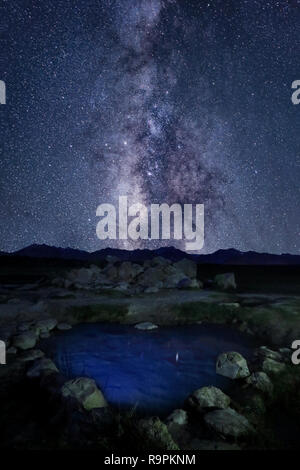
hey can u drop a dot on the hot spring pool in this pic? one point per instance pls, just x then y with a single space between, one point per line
153 371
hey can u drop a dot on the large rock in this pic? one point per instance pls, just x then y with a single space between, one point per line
272 367
187 266
261 382
265 352
85 392
42 367
208 397
177 423
156 435
228 423
225 281
177 417
26 340
232 365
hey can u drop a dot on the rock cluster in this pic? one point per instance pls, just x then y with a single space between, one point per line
149 277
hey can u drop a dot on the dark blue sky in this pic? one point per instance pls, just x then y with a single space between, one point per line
165 101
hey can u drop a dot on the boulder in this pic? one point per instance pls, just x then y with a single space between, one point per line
155 434
188 267
208 397
147 325
176 423
228 423
232 365
41 367
177 417
260 381
265 352
225 281
272 367
26 340
85 392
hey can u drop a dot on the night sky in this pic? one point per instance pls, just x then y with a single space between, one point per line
161 100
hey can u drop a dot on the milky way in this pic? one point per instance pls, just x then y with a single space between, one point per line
161 100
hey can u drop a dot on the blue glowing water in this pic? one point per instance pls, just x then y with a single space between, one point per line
153 371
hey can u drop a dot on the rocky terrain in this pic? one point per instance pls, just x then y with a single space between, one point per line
147 294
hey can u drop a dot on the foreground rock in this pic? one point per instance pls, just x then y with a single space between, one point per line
232 365
265 352
261 382
272 367
228 423
85 392
177 417
225 281
208 397
155 435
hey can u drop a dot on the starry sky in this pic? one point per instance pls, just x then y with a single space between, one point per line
176 101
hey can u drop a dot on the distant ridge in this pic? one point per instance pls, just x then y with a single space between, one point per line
230 256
